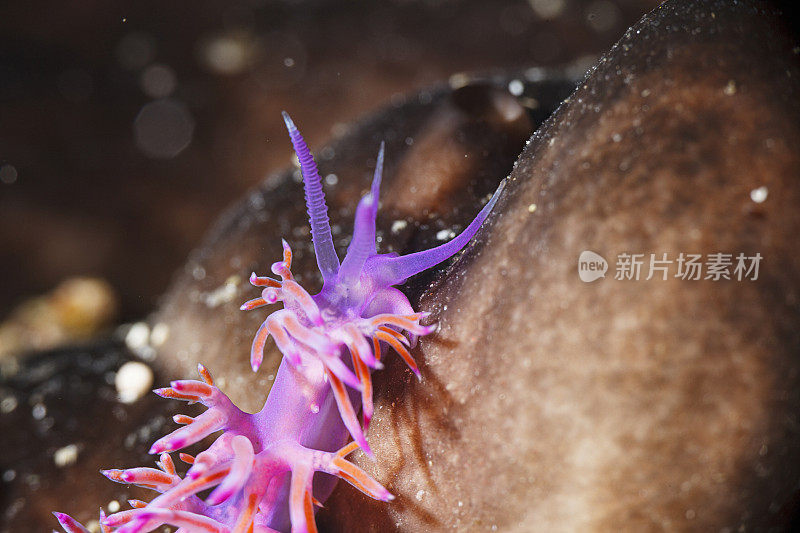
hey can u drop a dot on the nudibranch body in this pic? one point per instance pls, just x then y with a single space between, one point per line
261 468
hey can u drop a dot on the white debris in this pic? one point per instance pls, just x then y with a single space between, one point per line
39 411
66 456
548 9
445 234
133 380
223 294
458 80
516 87
8 404
759 195
137 336
160 334
399 225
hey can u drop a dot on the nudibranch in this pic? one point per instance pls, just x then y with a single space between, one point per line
261 468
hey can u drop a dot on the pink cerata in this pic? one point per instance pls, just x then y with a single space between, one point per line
262 467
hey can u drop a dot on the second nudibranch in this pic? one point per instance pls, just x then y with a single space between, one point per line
262 466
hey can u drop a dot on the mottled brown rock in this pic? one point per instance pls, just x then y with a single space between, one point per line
549 404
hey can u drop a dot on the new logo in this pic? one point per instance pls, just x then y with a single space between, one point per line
591 266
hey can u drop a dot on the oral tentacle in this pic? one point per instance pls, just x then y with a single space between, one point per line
400 349
149 478
201 427
362 371
148 518
301 510
294 292
396 334
255 303
356 341
69 524
241 468
348 413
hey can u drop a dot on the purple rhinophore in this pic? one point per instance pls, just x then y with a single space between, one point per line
261 468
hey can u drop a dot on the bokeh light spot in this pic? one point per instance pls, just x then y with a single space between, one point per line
136 50
163 129
8 174
158 81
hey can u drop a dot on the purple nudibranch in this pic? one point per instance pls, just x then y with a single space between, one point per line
262 466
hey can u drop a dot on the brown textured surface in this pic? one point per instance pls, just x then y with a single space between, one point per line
553 405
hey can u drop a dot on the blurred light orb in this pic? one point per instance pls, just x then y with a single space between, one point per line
548 9
8 174
516 87
602 15
163 129
136 50
227 54
133 380
158 81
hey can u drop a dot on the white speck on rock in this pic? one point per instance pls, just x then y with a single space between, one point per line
445 234
223 294
759 195
399 225
420 494
133 380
